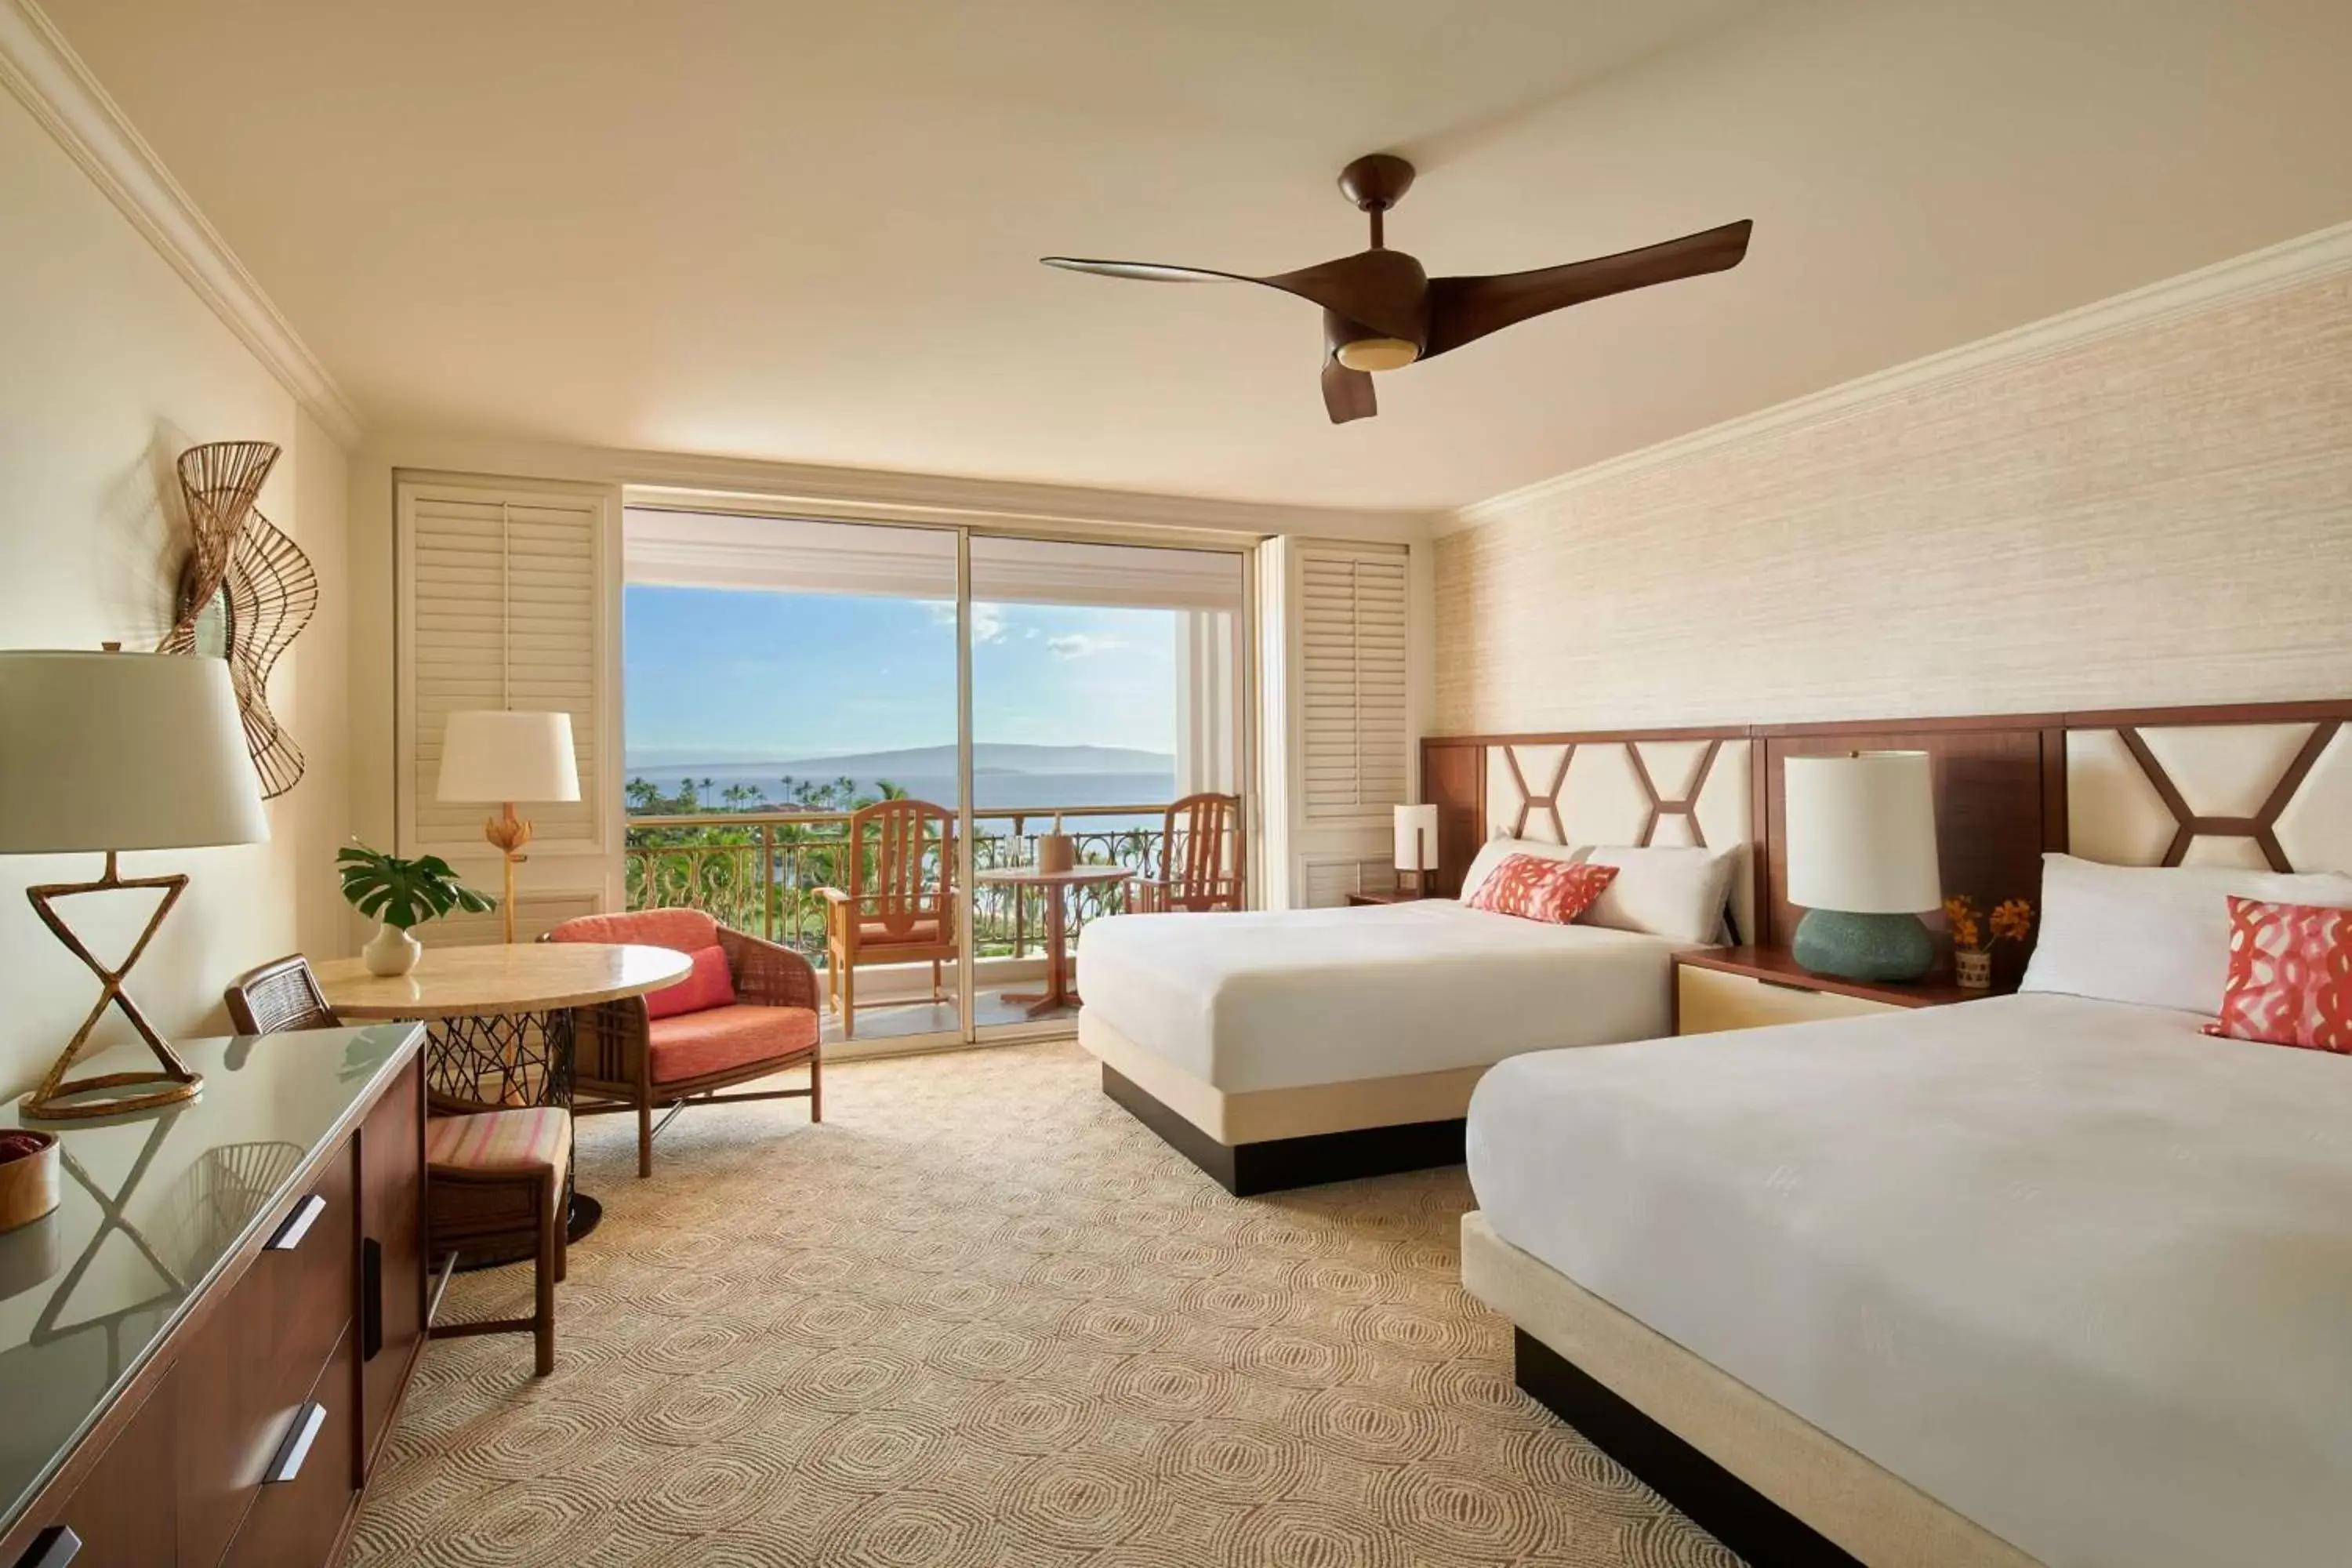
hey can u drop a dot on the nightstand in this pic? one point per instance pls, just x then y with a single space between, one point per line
1718 988
1393 895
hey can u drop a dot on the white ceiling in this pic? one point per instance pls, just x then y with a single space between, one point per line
809 231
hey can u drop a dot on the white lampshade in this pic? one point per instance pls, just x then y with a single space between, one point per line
122 751
488 756
1862 834
1416 838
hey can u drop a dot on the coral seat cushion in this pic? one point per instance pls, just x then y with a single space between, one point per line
708 984
1536 888
2290 976
693 1044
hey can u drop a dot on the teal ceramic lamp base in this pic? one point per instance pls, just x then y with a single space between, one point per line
1864 947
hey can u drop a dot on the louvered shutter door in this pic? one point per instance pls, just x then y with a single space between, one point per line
504 603
1352 672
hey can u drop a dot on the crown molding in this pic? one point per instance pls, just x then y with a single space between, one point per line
2298 260
41 69
694 482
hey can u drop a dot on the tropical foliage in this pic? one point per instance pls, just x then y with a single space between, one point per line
405 893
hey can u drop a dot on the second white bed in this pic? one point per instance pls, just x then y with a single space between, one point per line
2071 1268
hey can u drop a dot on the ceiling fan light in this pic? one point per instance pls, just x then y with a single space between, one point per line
1378 354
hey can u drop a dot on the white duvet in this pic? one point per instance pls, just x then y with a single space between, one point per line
2071 1268
1278 1000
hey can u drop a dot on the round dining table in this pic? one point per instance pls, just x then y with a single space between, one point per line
500 1018
1059 992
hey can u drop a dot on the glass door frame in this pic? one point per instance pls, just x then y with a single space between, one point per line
1244 547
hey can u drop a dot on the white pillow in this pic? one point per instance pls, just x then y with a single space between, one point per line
2157 935
1495 851
1676 893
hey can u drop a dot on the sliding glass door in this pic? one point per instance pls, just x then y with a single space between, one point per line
879 745
1106 689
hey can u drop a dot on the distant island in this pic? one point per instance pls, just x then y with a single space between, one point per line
1004 773
921 761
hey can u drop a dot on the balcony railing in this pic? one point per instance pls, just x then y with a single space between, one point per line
760 871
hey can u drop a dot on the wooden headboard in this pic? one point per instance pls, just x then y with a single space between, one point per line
2256 784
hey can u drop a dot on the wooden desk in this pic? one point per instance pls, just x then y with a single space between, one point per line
1058 994
500 1019
202 1346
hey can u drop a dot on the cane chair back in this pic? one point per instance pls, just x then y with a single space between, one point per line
277 998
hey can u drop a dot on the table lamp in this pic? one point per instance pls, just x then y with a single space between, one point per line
1862 863
501 756
1416 846
108 752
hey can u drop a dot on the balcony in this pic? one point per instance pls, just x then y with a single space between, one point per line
759 872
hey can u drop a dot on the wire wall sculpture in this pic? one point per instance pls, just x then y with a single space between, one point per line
246 592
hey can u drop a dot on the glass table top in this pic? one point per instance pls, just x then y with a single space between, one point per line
150 1207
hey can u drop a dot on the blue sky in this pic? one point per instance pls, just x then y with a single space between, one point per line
718 673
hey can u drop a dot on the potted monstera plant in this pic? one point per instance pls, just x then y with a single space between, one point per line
398 895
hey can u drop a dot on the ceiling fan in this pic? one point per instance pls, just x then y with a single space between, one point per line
1381 311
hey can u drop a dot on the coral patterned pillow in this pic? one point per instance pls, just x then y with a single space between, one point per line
2290 976
1535 889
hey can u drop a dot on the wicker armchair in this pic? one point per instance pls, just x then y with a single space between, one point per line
627 1059
493 1180
1196 874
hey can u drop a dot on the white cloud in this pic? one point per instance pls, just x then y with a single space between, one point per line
1079 644
987 620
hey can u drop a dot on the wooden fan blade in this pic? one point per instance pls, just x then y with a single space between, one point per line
1347 393
1464 309
1145 272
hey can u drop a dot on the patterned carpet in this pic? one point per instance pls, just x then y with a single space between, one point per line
979 1317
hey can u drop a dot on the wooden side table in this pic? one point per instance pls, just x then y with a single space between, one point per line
1393 896
1059 992
1718 988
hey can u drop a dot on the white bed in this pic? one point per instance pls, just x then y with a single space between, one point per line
1262 1000
2072 1270
1284 1048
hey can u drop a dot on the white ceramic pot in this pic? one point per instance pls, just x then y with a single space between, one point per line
392 950
1975 969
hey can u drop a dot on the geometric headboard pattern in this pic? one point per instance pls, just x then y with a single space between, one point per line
2264 785
1661 789
2271 795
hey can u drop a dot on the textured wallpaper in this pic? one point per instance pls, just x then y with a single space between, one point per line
2161 515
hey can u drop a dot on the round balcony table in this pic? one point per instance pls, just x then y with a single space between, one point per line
1056 885
499 1019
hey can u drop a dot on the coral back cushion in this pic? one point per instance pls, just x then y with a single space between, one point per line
680 931
1536 889
2290 976
708 984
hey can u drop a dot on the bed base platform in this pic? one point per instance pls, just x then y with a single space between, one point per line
1275 1164
1760 1530
1769 1484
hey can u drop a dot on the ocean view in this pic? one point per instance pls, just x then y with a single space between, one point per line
1003 775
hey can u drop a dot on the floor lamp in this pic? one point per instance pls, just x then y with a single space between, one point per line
504 758
108 752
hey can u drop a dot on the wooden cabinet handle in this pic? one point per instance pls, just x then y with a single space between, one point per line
371 1299
298 1224
288 1463
52 1548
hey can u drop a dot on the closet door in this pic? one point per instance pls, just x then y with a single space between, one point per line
505 604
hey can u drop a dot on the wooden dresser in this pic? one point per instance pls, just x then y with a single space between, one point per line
203 1347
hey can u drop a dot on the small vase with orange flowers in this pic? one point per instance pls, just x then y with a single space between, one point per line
1974 936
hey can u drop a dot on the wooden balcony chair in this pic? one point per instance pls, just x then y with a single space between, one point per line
899 905
1197 873
493 1179
748 1011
